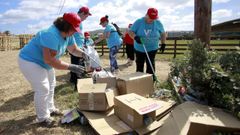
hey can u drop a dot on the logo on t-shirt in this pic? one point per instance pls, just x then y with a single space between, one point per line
147 32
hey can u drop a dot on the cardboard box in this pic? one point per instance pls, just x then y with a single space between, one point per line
81 82
139 83
133 108
106 123
94 97
191 118
110 81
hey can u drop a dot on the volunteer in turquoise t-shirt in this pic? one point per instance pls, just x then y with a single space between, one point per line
83 13
114 42
147 31
88 40
40 56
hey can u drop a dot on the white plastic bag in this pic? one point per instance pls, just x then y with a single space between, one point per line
92 58
100 74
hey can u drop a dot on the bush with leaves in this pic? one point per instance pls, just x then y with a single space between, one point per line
230 62
198 63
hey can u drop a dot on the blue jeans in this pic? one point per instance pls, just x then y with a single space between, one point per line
112 56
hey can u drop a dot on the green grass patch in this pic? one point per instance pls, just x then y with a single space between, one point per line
66 96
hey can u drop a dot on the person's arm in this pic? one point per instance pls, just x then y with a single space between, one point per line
104 36
163 37
49 58
131 34
76 51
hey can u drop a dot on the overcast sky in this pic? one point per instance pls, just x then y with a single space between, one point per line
30 16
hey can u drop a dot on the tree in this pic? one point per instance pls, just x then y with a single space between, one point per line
7 32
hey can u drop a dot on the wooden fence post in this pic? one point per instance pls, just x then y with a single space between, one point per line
175 48
1 43
102 49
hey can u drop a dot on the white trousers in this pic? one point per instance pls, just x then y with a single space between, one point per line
43 83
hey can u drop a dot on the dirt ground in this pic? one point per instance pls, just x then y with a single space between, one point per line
16 97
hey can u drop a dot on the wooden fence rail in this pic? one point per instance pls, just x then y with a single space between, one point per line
175 45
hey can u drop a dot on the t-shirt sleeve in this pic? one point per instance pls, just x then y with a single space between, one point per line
107 29
71 41
49 40
135 26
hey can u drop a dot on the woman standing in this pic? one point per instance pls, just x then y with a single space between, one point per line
40 56
114 42
147 31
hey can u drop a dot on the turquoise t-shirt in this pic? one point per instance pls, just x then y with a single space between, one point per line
114 39
149 33
79 37
88 42
50 38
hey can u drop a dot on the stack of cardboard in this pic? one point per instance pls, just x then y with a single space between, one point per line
95 97
131 111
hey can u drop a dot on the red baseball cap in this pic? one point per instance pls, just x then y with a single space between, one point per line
86 34
103 19
73 19
152 13
84 10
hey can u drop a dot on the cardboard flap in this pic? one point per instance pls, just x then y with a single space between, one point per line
111 81
81 82
110 94
140 104
106 123
133 76
93 88
150 128
192 118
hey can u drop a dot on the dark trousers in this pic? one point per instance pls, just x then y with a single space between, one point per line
77 61
130 51
141 57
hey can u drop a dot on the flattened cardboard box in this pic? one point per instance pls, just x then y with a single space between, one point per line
130 108
106 123
139 83
94 97
191 118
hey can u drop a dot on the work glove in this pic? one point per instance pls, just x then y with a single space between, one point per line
138 39
76 69
162 48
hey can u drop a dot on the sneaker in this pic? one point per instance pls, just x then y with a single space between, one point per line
116 72
56 112
49 123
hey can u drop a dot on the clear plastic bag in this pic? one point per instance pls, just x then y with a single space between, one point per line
92 59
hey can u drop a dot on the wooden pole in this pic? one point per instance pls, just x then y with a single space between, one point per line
202 20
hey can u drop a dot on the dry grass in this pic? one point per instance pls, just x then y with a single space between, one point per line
16 97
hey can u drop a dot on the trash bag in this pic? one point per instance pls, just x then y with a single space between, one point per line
92 59
100 74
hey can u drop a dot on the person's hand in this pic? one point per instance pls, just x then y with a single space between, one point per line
162 48
138 39
76 69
